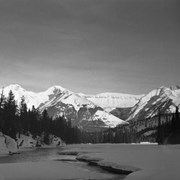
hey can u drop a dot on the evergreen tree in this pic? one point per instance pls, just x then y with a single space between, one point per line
34 121
2 100
10 116
177 119
159 130
45 121
46 126
24 121
173 123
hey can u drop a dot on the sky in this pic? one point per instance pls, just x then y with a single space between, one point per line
90 46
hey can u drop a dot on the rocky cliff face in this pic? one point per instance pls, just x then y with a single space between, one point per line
163 100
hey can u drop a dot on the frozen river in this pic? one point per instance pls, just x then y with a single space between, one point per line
150 162
49 156
32 155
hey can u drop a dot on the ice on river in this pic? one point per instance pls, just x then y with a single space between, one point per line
46 164
149 162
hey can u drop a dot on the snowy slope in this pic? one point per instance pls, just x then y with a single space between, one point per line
163 99
31 98
110 101
107 101
18 92
80 110
108 119
68 97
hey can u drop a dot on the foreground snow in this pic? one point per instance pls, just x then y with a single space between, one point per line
148 162
45 170
46 164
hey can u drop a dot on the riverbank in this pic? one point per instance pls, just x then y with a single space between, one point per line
11 146
46 163
142 162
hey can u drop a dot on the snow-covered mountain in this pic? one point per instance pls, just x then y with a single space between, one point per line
31 98
108 119
162 99
117 104
101 110
59 101
110 101
81 111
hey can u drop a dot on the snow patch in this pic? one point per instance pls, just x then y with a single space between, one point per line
11 145
108 119
26 141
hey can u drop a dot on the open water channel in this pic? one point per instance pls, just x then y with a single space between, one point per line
51 154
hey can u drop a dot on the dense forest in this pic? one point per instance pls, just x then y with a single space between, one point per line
18 119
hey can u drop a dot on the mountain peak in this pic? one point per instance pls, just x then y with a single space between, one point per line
15 87
176 87
56 87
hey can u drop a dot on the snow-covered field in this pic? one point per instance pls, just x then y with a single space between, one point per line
46 170
147 161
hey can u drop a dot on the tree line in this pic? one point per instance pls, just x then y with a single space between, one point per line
18 119
170 131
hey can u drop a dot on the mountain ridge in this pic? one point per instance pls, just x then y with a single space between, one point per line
121 96
162 99
60 101
84 109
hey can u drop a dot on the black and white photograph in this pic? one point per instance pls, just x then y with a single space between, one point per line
89 90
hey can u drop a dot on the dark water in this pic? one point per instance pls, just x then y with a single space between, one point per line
31 155
51 154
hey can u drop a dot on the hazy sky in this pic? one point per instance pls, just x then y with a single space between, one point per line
90 46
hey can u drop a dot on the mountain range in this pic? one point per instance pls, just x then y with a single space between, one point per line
101 110
59 101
